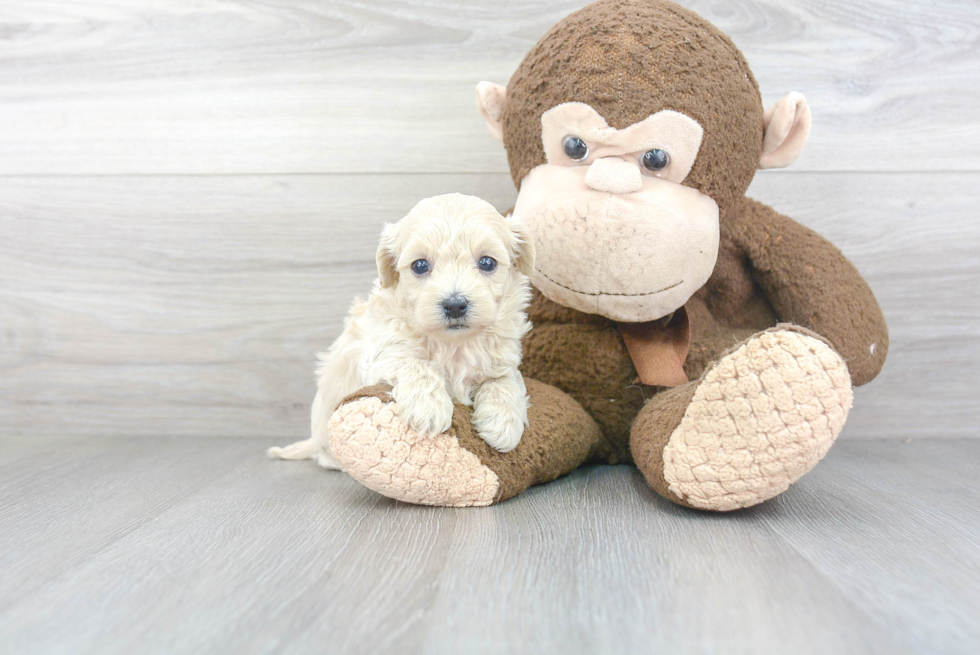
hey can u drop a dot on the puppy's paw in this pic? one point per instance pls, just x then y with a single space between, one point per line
428 414
500 426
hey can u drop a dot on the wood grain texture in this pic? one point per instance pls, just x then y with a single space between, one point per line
221 86
909 552
61 507
194 305
875 552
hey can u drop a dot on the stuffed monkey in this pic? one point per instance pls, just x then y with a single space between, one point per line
678 324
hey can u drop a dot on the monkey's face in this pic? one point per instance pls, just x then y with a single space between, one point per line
615 232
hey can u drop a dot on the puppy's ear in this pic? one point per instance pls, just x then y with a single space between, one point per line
523 245
387 257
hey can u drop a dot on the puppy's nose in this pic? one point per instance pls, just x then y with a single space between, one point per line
454 306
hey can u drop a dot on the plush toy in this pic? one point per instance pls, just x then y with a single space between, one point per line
678 324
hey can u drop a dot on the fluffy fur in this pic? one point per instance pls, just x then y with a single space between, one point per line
403 333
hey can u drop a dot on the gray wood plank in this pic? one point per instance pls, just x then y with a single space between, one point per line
285 558
317 86
600 564
60 507
896 526
233 568
197 303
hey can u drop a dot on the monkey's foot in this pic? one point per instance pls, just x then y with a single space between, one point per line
755 423
457 468
384 454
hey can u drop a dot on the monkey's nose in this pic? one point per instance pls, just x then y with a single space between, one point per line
614 175
454 306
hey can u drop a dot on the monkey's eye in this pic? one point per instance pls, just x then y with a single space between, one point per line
655 160
420 267
488 264
575 148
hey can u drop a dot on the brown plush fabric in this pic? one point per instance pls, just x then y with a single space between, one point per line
629 59
584 356
380 391
655 423
559 438
808 281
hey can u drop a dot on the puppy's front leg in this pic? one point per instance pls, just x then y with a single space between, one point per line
500 411
424 403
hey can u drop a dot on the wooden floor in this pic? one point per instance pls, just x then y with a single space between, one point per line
187 545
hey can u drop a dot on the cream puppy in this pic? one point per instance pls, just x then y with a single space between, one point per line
444 322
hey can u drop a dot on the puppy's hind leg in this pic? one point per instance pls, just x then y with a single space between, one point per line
305 449
320 441
300 450
337 376
317 446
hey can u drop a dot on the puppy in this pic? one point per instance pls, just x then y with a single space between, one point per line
444 322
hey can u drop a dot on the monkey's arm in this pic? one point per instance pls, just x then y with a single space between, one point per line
809 282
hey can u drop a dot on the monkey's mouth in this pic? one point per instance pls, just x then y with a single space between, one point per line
608 293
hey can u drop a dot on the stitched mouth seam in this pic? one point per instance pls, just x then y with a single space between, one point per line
603 293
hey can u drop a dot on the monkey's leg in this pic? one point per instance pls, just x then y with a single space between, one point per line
458 468
754 423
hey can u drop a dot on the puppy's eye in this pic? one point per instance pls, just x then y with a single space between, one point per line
420 267
487 264
575 148
655 160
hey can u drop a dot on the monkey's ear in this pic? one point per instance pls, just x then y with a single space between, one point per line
490 100
523 245
787 129
387 257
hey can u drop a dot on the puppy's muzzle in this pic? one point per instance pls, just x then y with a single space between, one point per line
454 307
